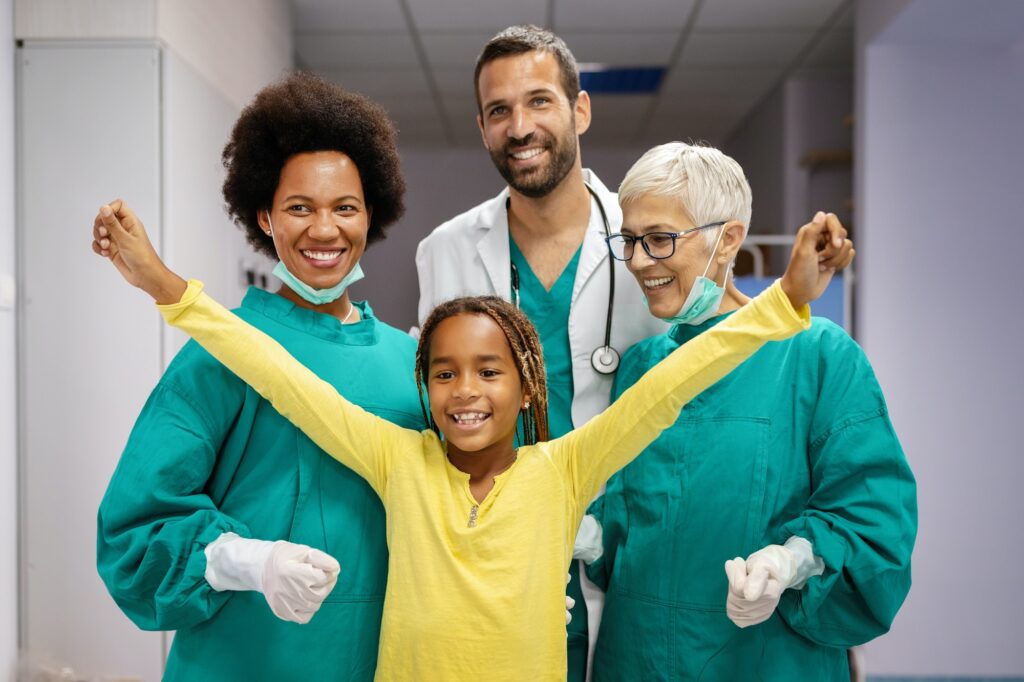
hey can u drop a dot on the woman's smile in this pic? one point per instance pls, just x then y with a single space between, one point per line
657 284
323 258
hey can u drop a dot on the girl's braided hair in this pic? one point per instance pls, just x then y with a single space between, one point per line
526 352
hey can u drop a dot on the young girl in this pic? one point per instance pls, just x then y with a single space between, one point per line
480 533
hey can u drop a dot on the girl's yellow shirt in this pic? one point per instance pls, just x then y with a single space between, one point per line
476 591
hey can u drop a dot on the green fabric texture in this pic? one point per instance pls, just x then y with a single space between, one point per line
796 441
549 312
207 456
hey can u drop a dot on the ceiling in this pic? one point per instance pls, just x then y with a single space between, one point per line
416 57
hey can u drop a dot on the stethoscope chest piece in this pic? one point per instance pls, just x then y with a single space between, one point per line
605 360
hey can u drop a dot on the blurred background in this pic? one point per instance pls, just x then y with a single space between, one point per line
902 116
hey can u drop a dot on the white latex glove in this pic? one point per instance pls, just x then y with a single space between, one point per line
756 583
589 544
569 602
294 579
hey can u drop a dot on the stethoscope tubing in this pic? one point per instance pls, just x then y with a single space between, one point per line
604 359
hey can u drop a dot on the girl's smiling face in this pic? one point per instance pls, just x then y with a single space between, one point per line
473 384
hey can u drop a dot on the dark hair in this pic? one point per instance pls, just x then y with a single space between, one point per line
305 113
516 40
526 352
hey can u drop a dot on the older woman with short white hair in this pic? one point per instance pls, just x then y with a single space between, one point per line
790 464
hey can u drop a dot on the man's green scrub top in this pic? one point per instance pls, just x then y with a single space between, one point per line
549 312
796 441
207 456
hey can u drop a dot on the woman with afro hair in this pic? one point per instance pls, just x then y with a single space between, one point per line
223 521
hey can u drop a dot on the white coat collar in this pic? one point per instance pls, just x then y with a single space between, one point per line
493 244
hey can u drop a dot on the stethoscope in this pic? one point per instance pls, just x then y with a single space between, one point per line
604 359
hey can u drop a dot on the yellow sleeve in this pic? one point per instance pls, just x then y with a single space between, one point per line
361 441
612 439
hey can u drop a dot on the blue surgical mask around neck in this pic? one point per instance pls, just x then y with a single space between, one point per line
308 293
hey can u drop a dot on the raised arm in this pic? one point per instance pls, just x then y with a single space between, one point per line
361 441
609 441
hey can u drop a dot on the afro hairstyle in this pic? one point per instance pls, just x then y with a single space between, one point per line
305 113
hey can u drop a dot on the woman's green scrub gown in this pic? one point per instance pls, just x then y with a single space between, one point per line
209 456
796 441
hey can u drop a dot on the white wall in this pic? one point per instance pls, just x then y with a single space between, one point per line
757 145
78 20
236 46
803 113
93 349
939 200
8 380
816 105
90 344
199 239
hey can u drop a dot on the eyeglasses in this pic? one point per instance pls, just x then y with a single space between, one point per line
658 245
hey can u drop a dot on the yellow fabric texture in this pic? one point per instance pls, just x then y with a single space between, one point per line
481 601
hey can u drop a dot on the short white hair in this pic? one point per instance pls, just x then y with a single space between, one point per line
710 185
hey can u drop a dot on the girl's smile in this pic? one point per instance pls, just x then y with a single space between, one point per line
469 420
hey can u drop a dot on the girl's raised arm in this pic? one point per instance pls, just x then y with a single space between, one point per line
609 441
359 440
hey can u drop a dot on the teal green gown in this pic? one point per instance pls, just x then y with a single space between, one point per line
796 441
549 312
209 456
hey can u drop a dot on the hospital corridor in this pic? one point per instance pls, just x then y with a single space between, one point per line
352 340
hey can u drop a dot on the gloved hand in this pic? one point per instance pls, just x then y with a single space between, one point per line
294 579
756 584
297 579
569 602
589 545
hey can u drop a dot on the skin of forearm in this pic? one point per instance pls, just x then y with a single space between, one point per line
164 285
